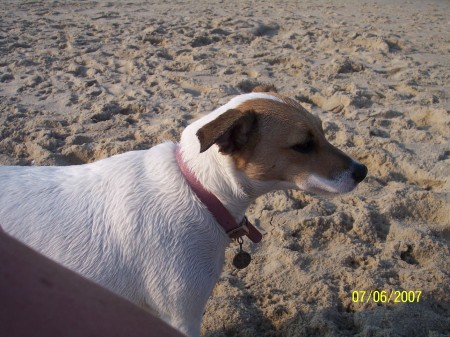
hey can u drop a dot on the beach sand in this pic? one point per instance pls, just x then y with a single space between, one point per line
84 80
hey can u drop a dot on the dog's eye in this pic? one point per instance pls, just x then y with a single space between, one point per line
305 147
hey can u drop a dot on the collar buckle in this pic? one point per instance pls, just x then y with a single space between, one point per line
240 231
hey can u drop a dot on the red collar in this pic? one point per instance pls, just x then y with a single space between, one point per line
218 210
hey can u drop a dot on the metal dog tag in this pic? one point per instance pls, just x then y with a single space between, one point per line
241 259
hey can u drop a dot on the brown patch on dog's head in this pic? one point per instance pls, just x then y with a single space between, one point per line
265 88
291 144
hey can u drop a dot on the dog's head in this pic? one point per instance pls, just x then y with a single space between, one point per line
273 138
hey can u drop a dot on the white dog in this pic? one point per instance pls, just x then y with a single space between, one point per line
153 225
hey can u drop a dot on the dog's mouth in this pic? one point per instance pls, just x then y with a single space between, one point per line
342 183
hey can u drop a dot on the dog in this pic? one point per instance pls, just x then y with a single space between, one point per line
153 225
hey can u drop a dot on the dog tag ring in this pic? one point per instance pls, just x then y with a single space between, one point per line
241 259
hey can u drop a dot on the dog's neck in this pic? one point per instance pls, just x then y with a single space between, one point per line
217 174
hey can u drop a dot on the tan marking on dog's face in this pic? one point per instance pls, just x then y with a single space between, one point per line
289 145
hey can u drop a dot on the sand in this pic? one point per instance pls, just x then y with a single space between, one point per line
84 80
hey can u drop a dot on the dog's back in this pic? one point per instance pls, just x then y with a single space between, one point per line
83 216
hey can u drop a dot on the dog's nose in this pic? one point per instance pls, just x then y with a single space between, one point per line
359 172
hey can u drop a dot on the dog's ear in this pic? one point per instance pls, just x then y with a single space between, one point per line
230 131
265 88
